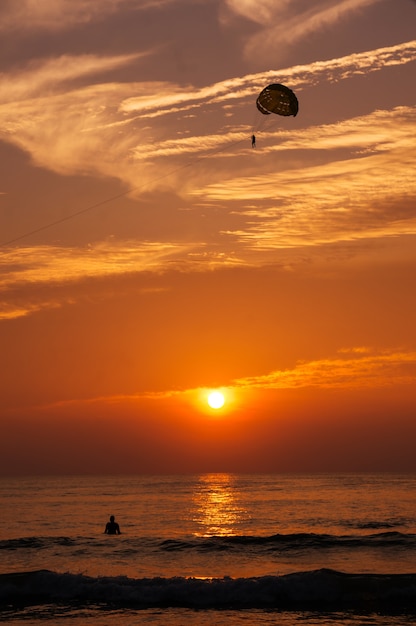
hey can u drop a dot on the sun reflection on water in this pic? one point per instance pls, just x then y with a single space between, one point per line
218 509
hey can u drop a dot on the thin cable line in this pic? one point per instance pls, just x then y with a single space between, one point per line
91 207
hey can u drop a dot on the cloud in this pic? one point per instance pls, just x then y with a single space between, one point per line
285 23
44 263
164 97
103 130
354 369
58 15
260 13
30 276
68 130
357 368
363 191
52 76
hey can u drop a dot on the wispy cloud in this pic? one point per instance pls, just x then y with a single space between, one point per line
59 15
163 97
354 368
49 263
285 23
69 130
360 169
30 275
364 192
357 368
47 77
323 12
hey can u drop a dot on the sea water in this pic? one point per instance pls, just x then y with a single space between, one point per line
209 550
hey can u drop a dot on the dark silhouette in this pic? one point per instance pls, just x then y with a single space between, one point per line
253 141
112 528
277 99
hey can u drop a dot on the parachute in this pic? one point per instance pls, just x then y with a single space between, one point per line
277 99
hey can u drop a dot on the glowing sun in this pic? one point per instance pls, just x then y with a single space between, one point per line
216 399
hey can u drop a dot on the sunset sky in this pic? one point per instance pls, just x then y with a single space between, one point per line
149 254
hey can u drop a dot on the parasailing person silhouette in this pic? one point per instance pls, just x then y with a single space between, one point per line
278 99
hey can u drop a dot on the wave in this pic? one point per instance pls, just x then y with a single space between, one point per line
294 541
378 525
323 590
277 542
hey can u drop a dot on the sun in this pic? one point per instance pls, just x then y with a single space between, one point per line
216 399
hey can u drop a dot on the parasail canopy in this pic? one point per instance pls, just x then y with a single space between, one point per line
277 99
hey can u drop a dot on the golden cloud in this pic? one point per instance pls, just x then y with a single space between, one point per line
355 369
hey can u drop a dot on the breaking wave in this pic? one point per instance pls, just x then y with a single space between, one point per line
323 590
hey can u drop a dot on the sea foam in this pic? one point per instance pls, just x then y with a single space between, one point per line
322 589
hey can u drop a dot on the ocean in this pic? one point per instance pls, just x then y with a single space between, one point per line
209 550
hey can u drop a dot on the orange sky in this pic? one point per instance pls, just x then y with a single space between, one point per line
149 254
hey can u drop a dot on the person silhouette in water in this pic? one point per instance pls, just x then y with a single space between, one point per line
112 528
253 141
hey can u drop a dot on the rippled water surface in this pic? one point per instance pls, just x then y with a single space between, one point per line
273 545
